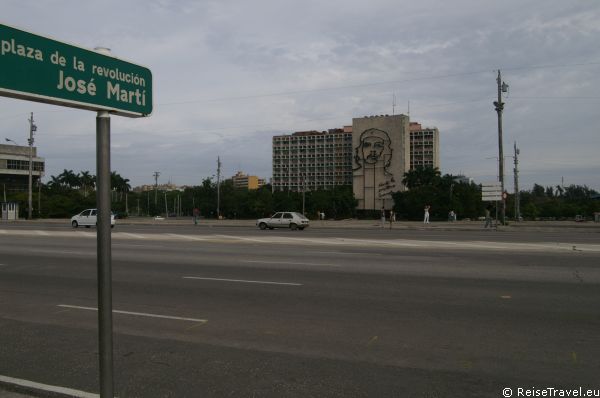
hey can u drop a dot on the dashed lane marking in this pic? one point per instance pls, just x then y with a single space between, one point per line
48 388
289 263
243 281
177 318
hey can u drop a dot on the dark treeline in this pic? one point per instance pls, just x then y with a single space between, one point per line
69 193
443 193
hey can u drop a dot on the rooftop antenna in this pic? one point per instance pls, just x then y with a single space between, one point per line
408 111
393 104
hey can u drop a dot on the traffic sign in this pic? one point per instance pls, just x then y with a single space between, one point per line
41 69
491 191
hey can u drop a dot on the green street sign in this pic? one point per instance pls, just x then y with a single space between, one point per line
40 69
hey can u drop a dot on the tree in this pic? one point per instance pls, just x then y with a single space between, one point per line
87 182
421 176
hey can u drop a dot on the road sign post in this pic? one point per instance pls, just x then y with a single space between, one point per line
41 69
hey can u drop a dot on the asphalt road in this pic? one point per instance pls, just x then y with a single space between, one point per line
217 312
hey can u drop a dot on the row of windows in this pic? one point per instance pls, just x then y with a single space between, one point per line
324 184
278 159
309 147
318 173
12 164
312 137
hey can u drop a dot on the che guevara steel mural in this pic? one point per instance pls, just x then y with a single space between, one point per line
375 150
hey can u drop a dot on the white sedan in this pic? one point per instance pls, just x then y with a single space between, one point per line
291 220
89 217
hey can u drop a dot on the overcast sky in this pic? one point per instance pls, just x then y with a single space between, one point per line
228 75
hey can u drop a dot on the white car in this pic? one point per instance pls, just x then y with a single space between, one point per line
289 219
89 217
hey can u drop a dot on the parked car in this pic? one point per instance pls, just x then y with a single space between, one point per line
89 217
290 219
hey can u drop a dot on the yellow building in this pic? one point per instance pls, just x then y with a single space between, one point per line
243 181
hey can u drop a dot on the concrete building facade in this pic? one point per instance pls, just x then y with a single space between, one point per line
311 160
381 156
14 167
244 181
424 146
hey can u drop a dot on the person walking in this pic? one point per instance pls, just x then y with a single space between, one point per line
426 216
382 217
196 215
488 218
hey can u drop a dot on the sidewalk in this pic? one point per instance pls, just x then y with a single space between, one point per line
355 224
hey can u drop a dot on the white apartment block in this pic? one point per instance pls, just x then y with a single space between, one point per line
312 160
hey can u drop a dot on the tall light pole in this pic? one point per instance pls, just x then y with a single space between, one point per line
218 187
517 199
502 88
32 129
156 174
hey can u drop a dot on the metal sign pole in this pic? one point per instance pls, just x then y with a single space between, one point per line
105 332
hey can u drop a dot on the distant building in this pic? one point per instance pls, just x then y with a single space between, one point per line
160 187
14 168
424 146
372 156
312 160
243 181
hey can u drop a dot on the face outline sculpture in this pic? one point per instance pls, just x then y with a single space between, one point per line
374 146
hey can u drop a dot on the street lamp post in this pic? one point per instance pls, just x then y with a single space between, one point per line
32 129
502 88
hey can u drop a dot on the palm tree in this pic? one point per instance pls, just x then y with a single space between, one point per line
421 176
87 181
69 179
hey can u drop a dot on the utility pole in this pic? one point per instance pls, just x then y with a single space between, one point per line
32 129
502 88
303 194
156 174
218 187
517 199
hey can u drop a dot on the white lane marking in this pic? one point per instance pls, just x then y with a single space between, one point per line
244 281
288 263
46 387
129 235
92 252
135 313
351 253
188 237
42 233
242 238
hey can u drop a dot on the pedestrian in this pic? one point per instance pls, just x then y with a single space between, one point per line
196 215
382 217
426 217
451 216
488 217
322 215
392 218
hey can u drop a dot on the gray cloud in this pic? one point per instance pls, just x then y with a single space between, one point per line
230 74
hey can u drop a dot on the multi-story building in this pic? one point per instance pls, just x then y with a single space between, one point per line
372 155
312 160
14 167
424 146
244 181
